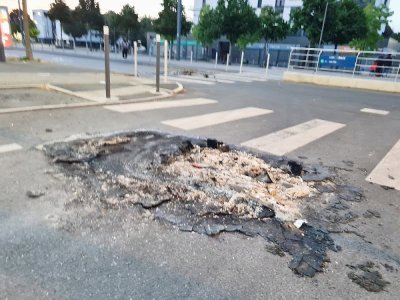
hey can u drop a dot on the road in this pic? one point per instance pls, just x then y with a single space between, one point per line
307 123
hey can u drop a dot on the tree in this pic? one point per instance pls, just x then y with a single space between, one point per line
207 30
146 24
75 27
61 12
376 16
237 20
166 22
273 27
310 18
15 28
127 22
28 48
89 11
351 23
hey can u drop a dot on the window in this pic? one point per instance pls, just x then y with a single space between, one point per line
259 3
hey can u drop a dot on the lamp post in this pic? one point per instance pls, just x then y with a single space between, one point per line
178 30
323 25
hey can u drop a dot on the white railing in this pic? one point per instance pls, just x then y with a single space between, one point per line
351 62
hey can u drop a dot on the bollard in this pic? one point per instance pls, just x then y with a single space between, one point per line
227 62
241 62
107 59
158 38
266 68
165 60
216 59
191 57
135 59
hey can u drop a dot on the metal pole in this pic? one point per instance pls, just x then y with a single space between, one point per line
191 57
158 38
241 62
216 59
178 31
21 26
107 59
165 60
227 62
323 26
267 67
2 52
135 58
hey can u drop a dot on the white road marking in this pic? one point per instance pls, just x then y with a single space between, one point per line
387 172
190 80
216 118
9 148
289 139
125 108
375 111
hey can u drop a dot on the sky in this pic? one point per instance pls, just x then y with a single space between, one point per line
142 7
152 7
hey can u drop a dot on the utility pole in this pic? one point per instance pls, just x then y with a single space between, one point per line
323 26
178 30
28 48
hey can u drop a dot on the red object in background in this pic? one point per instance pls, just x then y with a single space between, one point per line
5 27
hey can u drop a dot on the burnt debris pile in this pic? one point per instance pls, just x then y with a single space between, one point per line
201 186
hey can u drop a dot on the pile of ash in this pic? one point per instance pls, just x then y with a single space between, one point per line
200 185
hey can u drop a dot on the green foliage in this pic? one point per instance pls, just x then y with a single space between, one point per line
14 24
310 18
146 24
60 11
237 20
75 27
128 22
208 29
376 17
273 27
89 12
351 23
249 38
166 23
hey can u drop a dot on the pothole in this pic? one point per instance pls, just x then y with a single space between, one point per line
207 187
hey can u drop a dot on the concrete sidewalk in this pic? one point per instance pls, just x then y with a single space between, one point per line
85 88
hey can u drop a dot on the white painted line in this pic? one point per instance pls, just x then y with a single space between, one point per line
234 78
289 139
125 108
9 148
216 118
190 80
387 172
375 111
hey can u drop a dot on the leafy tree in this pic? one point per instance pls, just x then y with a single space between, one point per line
207 30
14 24
166 22
237 20
146 24
273 27
310 18
89 11
127 22
75 27
61 12
351 23
396 36
376 16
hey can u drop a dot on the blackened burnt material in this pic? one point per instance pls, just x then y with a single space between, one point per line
191 183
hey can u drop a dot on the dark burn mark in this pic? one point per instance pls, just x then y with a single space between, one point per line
367 277
127 169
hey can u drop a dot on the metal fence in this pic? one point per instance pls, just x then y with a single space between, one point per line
384 65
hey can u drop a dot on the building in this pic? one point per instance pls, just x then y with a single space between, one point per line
45 26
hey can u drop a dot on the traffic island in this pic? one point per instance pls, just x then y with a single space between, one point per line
207 187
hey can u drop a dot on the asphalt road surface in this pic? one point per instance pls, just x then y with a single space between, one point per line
308 123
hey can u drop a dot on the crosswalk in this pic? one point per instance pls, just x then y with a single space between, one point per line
214 79
281 142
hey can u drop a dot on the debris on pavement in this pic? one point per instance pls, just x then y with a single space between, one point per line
205 186
34 194
366 276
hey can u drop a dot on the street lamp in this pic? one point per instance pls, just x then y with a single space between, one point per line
323 26
178 30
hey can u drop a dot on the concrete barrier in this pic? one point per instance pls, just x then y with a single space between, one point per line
343 82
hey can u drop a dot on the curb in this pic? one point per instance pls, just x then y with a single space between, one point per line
172 93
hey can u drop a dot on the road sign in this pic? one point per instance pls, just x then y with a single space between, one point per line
337 62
